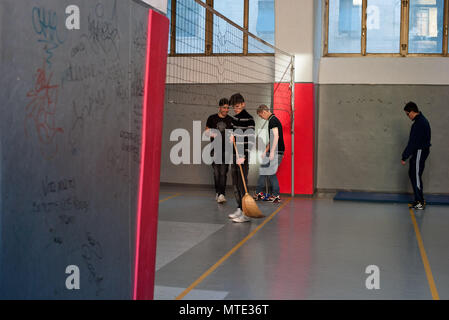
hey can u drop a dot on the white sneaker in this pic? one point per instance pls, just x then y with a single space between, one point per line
237 213
242 218
221 198
216 196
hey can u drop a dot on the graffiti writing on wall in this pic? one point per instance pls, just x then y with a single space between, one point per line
41 112
45 24
103 33
92 254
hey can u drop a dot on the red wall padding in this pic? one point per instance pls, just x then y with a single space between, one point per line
304 136
282 110
148 201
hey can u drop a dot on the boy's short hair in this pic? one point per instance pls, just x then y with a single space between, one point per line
262 108
411 106
235 99
223 101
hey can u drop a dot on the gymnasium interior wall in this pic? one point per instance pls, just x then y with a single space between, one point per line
363 131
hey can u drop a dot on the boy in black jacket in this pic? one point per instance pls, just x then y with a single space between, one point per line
418 148
245 138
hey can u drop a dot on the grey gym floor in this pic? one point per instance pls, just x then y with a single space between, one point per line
305 248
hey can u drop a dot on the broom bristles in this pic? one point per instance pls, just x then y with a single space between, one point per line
250 208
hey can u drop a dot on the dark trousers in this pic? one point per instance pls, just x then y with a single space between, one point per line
417 164
220 177
237 182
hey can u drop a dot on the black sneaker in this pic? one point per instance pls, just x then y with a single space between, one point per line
418 206
259 196
412 204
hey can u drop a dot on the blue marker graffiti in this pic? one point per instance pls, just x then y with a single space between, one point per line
45 24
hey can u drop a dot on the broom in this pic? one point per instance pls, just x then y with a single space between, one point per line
249 206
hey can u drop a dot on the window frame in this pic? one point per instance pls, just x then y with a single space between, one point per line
208 51
404 34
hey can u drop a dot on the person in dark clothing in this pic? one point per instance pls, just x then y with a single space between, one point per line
244 135
217 124
274 151
418 149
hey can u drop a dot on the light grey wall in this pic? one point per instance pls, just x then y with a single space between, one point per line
187 103
318 36
363 131
70 135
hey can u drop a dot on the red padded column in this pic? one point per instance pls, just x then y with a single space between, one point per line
148 200
282 110
304 136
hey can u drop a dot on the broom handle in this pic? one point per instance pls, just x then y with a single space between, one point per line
240 166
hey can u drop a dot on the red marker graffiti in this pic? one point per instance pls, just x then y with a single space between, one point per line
41 112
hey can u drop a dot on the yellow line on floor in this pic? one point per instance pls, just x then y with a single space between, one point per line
227 255
168 198
425 260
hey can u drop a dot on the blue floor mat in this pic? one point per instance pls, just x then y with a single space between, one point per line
434 199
